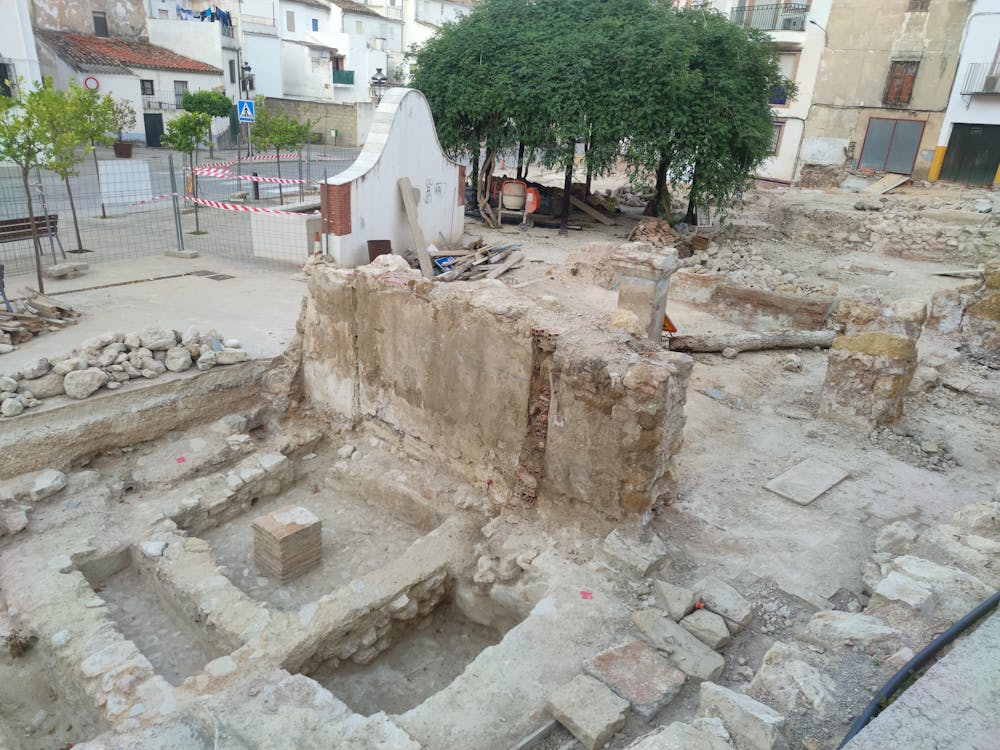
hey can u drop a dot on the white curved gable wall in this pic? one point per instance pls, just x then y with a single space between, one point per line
402 143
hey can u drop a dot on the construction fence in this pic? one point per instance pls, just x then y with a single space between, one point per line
257 209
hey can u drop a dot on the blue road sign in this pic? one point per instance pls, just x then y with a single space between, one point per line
245 110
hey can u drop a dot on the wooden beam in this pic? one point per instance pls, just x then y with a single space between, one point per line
420 244
591 211
513 260
749 342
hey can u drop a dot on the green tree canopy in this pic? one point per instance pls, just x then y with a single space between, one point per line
275 128
185 133
213 103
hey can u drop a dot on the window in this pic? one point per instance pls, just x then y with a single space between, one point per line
180 87
289 20
8 79
163 13
919 6
232 71
899 85
788 62
779 126
315 24
147 86
359 27
100 23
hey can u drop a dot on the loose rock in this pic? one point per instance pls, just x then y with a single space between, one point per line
80 384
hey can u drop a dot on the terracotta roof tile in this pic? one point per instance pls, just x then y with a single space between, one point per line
85 52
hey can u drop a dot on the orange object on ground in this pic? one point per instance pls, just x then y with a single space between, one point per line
668 324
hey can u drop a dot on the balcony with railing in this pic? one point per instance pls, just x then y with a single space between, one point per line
393 11
343 77
774 17
982 78
259 25
152 104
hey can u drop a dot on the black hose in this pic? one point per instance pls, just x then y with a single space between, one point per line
916 663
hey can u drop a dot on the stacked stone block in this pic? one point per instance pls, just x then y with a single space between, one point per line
288 542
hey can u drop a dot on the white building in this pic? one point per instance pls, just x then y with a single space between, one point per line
420 19
968 146
18 56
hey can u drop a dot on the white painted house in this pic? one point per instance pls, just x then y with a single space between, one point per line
18 56
421 19
968 147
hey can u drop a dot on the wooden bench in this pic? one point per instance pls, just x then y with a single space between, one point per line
13 230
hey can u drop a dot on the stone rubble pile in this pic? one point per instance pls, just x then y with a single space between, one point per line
111 360
745 266
972 312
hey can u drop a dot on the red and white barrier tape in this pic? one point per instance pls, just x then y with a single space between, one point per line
153 199
258 157
272 180
243 207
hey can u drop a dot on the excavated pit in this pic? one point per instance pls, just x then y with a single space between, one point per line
147 614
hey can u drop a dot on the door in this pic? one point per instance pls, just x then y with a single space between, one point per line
973 154
153 124
891 145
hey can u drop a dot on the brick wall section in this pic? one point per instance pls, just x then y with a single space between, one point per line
461 184
335 208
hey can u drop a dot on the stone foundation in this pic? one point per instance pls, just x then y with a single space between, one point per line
972 312
871 364
482 382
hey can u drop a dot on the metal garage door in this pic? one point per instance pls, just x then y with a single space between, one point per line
891 145
973 154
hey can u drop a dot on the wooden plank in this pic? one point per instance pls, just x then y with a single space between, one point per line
513 260
420 244
889 182
747 342
591 211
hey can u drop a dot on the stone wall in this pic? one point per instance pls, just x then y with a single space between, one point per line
486 384
324 116
973 313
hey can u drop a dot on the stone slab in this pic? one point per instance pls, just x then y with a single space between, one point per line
589 710
724 600
633 555
707 627
678 736
804 483
676 601
751 724
636 672
689 654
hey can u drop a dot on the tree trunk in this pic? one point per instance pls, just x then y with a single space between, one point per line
72 207
691 217
281 190
661 203
567 187
520 160
590 172
483 188
211 144
475 173
34 231
747 342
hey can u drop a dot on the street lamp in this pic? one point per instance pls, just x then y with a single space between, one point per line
245 71
379 83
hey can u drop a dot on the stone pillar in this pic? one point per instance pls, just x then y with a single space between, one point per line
872 362
643 279
287 542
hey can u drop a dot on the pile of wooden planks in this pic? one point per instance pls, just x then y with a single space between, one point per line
657 232
477 260
35 314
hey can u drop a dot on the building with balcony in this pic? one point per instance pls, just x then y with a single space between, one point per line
796 28
883 87
18 54
968 143
420 20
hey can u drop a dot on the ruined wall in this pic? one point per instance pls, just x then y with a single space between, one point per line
485 384
126 18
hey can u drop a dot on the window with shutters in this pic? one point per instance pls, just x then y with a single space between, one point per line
919 6
289 20
778 128
899 86
100 23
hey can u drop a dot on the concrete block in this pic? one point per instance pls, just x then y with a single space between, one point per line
676 601
707 627
589 710
724 600
751 724
636 672
633 555
692 656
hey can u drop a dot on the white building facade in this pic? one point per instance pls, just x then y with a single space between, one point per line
18 55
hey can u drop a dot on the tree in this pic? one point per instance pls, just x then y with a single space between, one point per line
76 119
122 117
184 134
273 128
26 141
213 103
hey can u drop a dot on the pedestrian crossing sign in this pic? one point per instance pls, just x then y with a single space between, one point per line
245 110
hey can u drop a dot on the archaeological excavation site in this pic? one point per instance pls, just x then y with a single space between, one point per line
646 487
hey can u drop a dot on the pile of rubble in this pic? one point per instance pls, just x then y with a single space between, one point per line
747 267
112 360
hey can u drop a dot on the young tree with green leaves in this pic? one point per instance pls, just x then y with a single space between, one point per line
122 118
76 118
25 140
184 134
274 128
212 103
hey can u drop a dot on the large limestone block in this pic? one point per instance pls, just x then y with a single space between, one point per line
707 627
634 555
838 628
692 656
589 710
791 681
678 736
80 384
636 672
724 600
751 724
676 601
